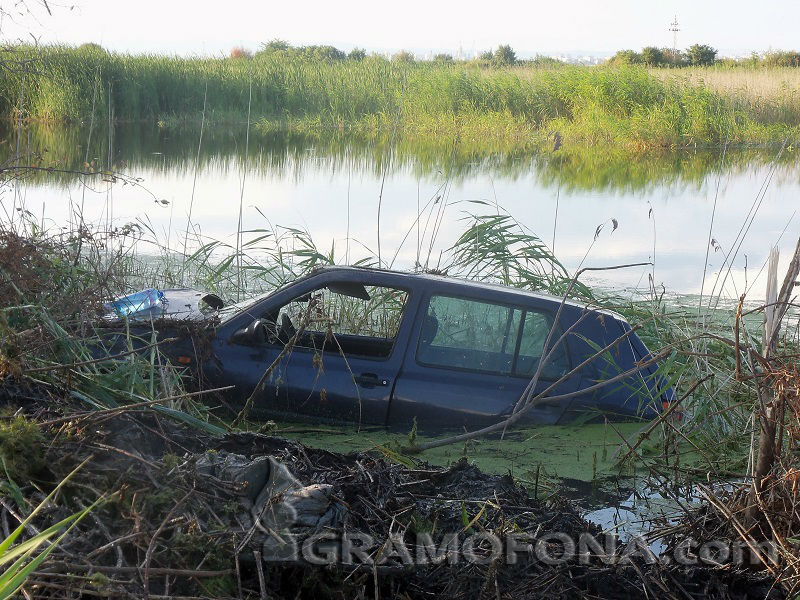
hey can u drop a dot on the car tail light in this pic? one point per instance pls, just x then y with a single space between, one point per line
676 415
184 360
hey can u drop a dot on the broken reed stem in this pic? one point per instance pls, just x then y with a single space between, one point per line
740 529
514 417
262 586
55 566
533 402
776 306
766 406
128 407
194 187
737 352
665 415
535 379
95 361
148 557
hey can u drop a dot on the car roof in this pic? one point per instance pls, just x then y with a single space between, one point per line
465 283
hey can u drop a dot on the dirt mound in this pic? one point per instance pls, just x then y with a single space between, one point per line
245 515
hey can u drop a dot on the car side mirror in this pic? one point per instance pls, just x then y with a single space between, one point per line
254 334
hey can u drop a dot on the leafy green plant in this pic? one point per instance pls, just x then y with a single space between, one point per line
504 56
21 558
701 54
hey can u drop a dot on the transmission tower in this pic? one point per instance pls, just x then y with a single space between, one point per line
673 27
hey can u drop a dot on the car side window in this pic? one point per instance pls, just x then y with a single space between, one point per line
482 336
469 334
535 329
346 318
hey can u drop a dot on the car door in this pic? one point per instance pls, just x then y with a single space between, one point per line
471 362
344 362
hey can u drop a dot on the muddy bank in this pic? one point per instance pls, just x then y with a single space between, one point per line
245 515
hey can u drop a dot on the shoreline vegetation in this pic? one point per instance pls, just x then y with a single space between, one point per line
535 105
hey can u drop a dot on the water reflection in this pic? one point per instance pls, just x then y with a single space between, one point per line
332 184
174 149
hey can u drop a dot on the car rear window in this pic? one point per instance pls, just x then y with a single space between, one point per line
535 328
482 336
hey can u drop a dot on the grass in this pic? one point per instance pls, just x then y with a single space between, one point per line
752 83
21 448
50 295
44 329
773 94
20 558
628 107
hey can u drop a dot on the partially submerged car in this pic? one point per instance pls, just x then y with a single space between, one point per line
391 348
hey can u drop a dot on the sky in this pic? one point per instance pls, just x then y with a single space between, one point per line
596 27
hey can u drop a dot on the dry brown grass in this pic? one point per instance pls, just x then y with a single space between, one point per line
772 94
753 83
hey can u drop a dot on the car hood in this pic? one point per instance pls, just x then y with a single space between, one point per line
177 304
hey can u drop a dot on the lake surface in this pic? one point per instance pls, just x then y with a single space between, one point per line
332 187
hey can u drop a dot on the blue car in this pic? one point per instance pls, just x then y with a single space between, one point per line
390 348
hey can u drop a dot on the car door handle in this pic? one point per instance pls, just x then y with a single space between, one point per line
370 380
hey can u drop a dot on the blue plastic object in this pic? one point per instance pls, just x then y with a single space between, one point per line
137 302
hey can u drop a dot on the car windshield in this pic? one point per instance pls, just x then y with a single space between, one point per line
228 312
345 288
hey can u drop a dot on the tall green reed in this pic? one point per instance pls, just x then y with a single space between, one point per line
626 105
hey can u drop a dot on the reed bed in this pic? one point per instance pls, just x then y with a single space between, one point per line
756 82
626 106
771 94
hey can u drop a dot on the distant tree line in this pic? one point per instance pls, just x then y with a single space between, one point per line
651 56
702 55
502 56
505 56
310 52
776 58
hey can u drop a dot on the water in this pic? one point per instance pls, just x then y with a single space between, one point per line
627 507
332 187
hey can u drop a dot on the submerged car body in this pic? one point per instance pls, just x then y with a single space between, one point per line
392 348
